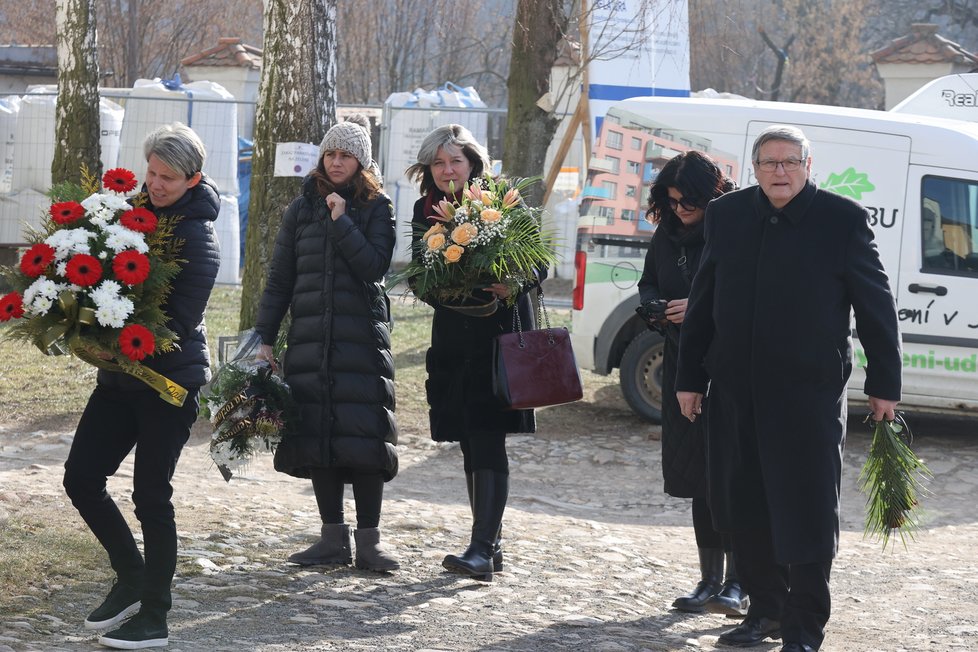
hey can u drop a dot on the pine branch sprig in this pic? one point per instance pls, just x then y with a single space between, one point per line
893 479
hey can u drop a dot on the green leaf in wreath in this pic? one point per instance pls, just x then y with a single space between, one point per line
849 184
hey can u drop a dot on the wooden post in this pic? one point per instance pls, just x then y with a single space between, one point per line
565 143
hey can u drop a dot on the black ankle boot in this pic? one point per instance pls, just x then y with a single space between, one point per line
490 490
730 600
711 570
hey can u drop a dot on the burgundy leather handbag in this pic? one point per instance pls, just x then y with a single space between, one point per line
535 368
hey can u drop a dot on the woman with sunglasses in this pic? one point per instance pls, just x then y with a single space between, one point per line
677 205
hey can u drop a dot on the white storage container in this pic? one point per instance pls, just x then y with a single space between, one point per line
34 135
205 107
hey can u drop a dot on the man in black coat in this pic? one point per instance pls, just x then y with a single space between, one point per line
768 329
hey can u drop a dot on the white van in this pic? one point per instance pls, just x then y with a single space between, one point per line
917 176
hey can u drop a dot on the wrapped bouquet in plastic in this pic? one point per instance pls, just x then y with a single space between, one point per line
250 407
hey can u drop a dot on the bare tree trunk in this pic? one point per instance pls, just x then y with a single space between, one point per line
76 123
297 103
133 43
529 129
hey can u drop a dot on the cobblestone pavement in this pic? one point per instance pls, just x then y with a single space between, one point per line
595 554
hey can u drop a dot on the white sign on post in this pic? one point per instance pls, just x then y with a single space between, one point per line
295 159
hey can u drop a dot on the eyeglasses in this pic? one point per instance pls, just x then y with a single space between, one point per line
788 165
687 204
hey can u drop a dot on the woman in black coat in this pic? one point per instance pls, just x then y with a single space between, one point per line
124 414
677 204
462 405
333 248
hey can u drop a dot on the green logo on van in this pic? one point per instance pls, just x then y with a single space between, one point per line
849 184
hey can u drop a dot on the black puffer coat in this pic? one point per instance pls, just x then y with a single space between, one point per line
459 364
683 442
338 362
189 365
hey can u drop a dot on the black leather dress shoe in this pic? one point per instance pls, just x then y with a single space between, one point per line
797 647
753 631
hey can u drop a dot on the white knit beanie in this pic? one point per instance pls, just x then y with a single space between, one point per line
350 136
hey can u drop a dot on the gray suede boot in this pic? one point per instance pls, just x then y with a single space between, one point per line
371 553
332 549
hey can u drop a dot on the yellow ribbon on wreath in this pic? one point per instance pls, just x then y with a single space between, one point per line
168 390
74 317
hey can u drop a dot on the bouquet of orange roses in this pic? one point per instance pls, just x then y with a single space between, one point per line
487 236
94 279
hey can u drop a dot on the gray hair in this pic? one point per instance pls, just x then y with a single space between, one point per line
178 146
786 133
451 134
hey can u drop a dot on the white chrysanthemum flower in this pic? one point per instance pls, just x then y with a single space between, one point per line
61 268
224 455
68 242
120 238
39 297
113 314
104 204
106 292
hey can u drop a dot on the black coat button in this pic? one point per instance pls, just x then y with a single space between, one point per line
774 219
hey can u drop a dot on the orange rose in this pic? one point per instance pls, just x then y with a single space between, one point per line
436 228
490 215
436 241
464 233
453 253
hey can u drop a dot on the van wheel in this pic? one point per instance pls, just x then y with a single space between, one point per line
641 375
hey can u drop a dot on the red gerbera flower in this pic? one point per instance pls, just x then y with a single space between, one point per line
11 307
83 270
119 180
136 342
131 267
139 219
66 212
36 259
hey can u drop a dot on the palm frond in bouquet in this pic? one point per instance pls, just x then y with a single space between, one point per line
893 479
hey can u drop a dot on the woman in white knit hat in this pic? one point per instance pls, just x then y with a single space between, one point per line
331 254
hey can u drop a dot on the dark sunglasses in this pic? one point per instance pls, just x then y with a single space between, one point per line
687 204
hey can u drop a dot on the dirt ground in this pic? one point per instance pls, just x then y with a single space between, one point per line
595 552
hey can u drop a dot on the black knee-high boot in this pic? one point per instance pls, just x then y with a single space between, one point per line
490 490
711 574
497 548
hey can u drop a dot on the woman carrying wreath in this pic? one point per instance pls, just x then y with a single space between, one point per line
332 251
459 361
123 413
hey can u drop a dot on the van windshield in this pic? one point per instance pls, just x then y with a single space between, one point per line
949 222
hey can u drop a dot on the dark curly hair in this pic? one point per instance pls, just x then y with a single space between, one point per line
695 175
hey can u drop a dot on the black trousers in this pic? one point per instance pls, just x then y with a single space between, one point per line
112 424
796 594
706 534
484 451
368 495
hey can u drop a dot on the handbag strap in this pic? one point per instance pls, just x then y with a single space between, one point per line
541 310
683 264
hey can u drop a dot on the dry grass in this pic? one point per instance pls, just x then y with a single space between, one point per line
40 552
